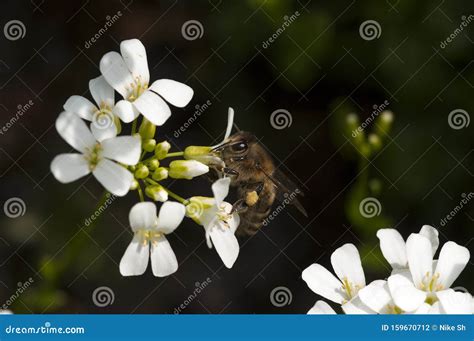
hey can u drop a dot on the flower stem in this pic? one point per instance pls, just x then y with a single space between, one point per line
174 154
170 193
134 126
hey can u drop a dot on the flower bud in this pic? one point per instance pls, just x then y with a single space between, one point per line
375 142
153 164
198 207
187 169
160 173
157 193
384 123
147 129
161 149
202 154
149 145
141 172
134 185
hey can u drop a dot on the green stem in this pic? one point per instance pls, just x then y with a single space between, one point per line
170 193
174 154
140 193
134 126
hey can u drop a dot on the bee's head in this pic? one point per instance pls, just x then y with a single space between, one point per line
237 146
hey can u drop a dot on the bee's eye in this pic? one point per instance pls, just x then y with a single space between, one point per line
239 147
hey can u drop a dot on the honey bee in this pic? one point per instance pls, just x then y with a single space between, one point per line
259 183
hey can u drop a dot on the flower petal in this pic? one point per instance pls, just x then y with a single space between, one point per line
356 307
74 131
123 149
116 72
432 234
163 259
323 283
451 262
376 296
455 302
321 308
80 106
176 93
102 133
420 258
171 215
347 265
220 189
115 178
143 216
135 259
423 309
102 92
153 107
436 309
134 56
230 123
225 242
393 247
69 167
125 111
405 295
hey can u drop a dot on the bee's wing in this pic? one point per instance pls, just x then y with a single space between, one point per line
286 189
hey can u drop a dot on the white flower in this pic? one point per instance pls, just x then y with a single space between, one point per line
95 156
343 289
149 230
214 214
101 116
433 277
128 74
396 295
321 308
393 246
186 169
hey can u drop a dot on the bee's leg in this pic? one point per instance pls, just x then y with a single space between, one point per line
239 206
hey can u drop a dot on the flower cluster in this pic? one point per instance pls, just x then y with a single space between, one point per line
417 284
137 162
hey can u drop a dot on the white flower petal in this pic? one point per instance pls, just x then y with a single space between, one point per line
80 106
69 167
347 265
225 243
171 215
115 178
451 262
436 309
420 258
116 72
134 55
143 216
376 296
432 234
230 123
123 149
356 307
135 259
102 133
393 247
125 111
153 107
454 302
323 283
321 308
74 131
175 93
220 189
423 309
163 259
404 294
102 92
